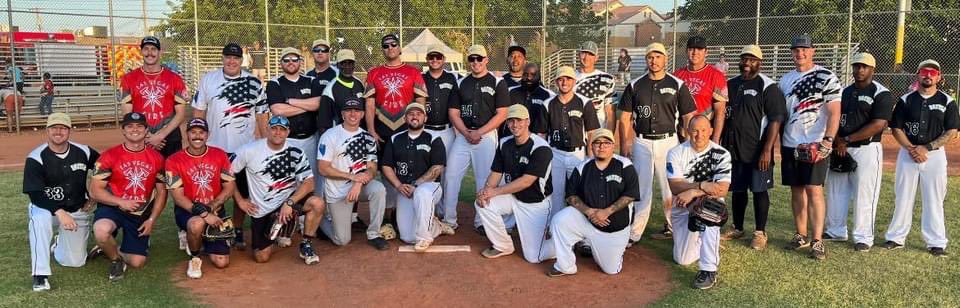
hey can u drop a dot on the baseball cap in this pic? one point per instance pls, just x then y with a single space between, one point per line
434 49
589 46
133 117
279 121
320 42
59 118
566 71
232 49
601 133
865 59
152 40
346 55
513 48
752 50
414 105
696 41
801 41
289 50
517 111
198 122
929 63
353 103
477 50
656 47
389 37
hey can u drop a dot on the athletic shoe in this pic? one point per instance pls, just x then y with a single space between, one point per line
358 225
583 250
705 280
283 242
665 234
797 242
731 234
182 236
445 229
861 247
938 252
890 245
555 273
117 268
759 241
94 252
818 251
238 242
492 253
831 238
379 243
40 283
193 269
307 253
480 231
630 243
422 245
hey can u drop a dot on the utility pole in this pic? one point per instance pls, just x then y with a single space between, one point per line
143 12
36 11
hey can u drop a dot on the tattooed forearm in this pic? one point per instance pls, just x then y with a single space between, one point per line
578 204
944 138
431 175
620 204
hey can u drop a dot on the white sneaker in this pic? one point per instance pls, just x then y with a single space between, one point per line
193 270
445 229
283 241
422 246
182 236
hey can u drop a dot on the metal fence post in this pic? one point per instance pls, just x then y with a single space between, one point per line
13 63
266 27
543 32
326 19
606 35
196 42
113 57
756 35
846 68
401 23
673 60
473 21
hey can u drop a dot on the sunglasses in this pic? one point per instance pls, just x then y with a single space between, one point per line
288 60
602 144
473 59
321 49
434 57
389 45
928 72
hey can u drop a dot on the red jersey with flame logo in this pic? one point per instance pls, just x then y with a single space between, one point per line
706 85
393 88
153 94
199 176
131 175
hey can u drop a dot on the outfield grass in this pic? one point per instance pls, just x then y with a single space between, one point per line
774 277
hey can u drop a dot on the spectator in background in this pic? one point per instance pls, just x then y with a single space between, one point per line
307 65
16 75
722 65
258 60
623 68
246 61
46 98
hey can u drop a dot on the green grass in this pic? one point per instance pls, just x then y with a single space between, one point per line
773 277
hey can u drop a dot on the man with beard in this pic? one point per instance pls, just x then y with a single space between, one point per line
159 94
54 179
517 58
866 106
753 119
707 84
230 99
531 94
596 85
924 121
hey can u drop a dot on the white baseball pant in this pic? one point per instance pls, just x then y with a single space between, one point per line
309 147
561 168
692 246
531 222
71 250
338 217
650 160
415 219
863 187
570 226
462 155
932 179
446 137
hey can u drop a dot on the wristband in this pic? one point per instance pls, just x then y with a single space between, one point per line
198 209
929 147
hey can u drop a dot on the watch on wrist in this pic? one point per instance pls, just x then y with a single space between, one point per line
846 139
828 138
928 146
289 202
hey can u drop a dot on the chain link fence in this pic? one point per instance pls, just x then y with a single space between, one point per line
87 45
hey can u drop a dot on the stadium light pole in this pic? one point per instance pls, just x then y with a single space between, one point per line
902 8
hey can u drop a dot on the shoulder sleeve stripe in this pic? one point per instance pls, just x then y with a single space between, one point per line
35 154
623 160
880 88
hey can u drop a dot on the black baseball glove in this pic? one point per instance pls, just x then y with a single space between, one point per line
223 232
710 211
842 163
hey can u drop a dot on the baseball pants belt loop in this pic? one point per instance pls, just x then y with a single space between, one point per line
655 136
437 126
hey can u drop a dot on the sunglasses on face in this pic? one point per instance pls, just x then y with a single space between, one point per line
389 45
473 59
288 60
321 49
601 144
434 57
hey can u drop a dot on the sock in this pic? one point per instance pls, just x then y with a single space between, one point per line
761 205
739 208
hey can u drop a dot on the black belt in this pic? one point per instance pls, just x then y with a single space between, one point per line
436 126
655 136
568 149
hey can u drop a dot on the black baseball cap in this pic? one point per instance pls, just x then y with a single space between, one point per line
233 49
198 122
389 37
133 117
353 103
513 48
801 41
696 42
152 40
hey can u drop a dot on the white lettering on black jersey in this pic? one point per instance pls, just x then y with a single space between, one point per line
600 188
411 157
534 157
924 119
858 107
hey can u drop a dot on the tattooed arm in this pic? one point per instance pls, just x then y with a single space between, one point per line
431 175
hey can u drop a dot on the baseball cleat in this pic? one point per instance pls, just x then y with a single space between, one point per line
665 234
307 253
284 242
892 245
583 250
358 224
831 238
445 229
479 230
94 252
182 237
630 243
759 241
705 280
41 283
117 268
193 269
238 242
861 247
422 246
378 243
492 253
731 234
818 251
938 252
798 242
555 273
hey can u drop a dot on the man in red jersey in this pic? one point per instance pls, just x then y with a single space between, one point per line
390 88
707 84
128 185
160 95
200 181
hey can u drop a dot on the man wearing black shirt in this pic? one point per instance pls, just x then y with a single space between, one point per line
517 57
343 86
531 94
322 72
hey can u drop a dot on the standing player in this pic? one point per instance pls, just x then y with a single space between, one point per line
413 162
441 88
707 84
55 180
596 85
348 163
200 182
160 95
570 119
865 108
600 193
521 164
476 111
345 86
753 119
923 122
813 116
517 57
323 73
655 99
128 185
230 98
696 168
390 87
281 187
533 95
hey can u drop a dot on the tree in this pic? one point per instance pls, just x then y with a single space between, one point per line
572 22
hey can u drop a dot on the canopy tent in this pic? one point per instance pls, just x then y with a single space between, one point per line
416 50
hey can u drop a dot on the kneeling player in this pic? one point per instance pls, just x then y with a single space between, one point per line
600 193
281 188
696 168
200 181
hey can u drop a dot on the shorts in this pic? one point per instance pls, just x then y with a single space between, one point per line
260 230
132 243
240 178
211 247
797 173
746 176
173 144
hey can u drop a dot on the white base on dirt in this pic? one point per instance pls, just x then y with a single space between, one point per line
438 248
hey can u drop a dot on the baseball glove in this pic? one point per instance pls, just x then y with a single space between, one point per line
709 210
387 232
811 152
223 232
282 230
842 163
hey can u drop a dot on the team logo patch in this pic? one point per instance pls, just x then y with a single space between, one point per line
524 160
423 147
445 85
78 167
669 168
487 90
940 108
538 101
614 178
322 149
865 99
305 91
670 91
750 92
575 113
